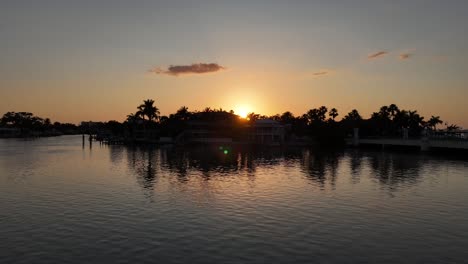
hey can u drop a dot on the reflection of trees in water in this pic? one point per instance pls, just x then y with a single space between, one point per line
206 160
332 161
355 163
390 169
176 161
116 153
321 166
395 169
203 159
143 162
222 160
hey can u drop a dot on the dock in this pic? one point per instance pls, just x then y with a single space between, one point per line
424 144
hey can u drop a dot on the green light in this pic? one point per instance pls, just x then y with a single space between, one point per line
226 151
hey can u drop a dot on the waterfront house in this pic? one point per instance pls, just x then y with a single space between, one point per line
208 132
267 131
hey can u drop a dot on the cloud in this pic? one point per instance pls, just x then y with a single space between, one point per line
196 68
377 55
405 56
318 73
323 72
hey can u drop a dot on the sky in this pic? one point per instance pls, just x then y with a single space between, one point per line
98 60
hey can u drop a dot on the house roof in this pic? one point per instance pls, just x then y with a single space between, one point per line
266 122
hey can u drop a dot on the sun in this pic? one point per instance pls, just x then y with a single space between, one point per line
242 111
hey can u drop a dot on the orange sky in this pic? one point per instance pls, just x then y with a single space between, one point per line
92 61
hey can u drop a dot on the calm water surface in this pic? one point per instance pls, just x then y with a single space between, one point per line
62 203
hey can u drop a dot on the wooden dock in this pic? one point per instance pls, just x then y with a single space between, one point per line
424 144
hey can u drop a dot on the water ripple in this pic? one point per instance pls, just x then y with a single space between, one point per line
61 203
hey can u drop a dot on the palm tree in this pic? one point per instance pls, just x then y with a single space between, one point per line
353 116
333 113
317 115
401 119
414 119
352 119
148 109
453 127
393 110
133 118
434 121
182 114
384 113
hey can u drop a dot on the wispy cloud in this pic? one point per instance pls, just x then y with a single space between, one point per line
405 55
322 72
377 55
196 68
318 73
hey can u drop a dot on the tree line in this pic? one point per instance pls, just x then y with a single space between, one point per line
29 124
321 122
388 121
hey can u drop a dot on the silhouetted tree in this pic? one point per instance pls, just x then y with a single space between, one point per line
333 113
453 127
402 119
27 122
352 120
182 114
287 118
133 118
353 116
317 115
415 123
393 110
434 121
149 110
253 117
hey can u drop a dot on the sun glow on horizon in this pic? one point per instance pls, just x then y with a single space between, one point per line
242 111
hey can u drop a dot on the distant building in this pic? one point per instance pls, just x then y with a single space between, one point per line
91 124
267 131
464 134
447 134
262 132
208 132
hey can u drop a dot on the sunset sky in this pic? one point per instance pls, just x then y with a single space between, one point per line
97 60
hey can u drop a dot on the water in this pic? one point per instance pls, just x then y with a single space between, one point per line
61 203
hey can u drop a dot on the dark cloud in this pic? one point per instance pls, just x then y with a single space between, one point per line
196 68
405 56
377 55
320 73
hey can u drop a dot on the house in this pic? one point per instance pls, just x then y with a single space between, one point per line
208 132
267 131
450 134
